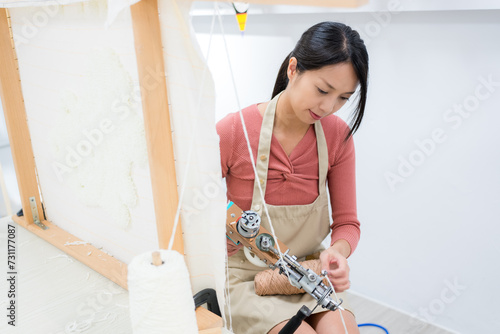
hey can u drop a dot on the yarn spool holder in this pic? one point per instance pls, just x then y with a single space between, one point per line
233 213
157 261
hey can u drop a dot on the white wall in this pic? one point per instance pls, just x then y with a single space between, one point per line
206 8
429 244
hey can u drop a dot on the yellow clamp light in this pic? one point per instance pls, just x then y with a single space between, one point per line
241 9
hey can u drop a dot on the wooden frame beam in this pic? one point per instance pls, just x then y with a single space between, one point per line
16 120
149 53
101 262
313 3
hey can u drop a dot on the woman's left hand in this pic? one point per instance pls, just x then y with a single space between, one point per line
337 268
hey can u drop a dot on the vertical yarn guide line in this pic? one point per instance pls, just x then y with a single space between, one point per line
245 132
192 141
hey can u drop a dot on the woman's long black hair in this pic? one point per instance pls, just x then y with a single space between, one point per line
330 43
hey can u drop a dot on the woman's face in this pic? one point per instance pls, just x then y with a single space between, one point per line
318 93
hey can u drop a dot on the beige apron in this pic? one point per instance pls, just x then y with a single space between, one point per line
301 227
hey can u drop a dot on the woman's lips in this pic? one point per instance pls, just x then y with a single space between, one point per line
314 116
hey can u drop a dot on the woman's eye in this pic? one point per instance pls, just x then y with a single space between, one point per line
345 98
321 91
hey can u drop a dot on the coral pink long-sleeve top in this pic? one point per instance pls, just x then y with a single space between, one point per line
293 179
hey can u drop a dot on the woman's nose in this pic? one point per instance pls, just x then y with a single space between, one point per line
328 106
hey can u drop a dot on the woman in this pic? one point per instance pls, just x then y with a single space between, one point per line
299 147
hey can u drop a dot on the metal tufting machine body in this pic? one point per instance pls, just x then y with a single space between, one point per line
262 249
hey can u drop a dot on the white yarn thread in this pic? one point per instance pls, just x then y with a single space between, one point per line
340 307
160 297
191 144
188 166
245 132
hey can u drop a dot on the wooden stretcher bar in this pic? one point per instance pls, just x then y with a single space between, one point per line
149 53
94 258
16 120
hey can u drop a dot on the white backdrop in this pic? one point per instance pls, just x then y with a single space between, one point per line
427 168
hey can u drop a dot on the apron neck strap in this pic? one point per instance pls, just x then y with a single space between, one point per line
262 161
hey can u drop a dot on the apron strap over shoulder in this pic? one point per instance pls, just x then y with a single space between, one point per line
262 162
263 153
322 156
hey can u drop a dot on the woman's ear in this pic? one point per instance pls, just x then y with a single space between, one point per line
292 68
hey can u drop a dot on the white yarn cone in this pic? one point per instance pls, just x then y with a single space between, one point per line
160 297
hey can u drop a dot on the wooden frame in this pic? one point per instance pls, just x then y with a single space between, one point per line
15 118
160 147
148 49
24 164
149 54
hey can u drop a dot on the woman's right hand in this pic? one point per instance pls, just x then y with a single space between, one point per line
232 248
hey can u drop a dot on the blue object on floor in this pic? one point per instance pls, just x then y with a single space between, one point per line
374 325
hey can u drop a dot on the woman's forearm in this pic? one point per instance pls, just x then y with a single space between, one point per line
343 247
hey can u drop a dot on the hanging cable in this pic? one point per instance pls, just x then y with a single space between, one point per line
245 132
191 145
188 165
